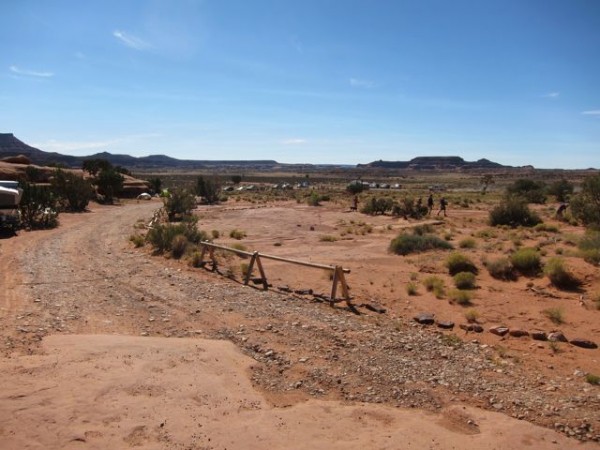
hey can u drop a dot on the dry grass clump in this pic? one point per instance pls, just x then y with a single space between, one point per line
328 238
471 315
405 244
527 261
559 275
464 280
436 285
460 296
501 269
555 315
237 234
138 240
178 246
467 243
411 288
457 262
589 247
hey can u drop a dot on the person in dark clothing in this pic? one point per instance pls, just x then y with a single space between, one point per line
443 204
430 203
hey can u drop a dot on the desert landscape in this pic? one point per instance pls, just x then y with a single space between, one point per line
109 342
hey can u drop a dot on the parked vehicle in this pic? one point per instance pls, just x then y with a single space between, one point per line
10 197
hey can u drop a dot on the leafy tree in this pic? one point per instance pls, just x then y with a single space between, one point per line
528 190
179 204
109 183
585 206
513 212
73 191
33 174
209 189
561 189
155 184
123 170
236 179
485 182
355 187
94 166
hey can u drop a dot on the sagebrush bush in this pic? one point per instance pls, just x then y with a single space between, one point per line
589 247
237 234
471 315
501 269
196 259
467 243
138 240
461 297
526 261
555 315
513 213
546 227
559 275
411 288
436 285
161 236
457 262
178 246
405 244
464 280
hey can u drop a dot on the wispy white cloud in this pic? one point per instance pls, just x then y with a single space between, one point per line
293 141
84 147
591 112
30 73
552 95
131 41
358 83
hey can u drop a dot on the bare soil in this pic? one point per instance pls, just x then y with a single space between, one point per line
296 372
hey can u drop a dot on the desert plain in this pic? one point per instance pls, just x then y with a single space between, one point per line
105 344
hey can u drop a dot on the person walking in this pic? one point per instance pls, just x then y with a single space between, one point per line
443 204
430 204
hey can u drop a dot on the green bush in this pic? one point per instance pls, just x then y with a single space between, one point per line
73 191
467 243
526 261
196 259
434 284
464 280
237 234
314 199
161 236
405 244
178 246
138 240
585 206
457 262
528 190
546 227
559 274
592 379
179 203
501 269
376 206
513 213
38 206
461 297
561 189
411 288
589 247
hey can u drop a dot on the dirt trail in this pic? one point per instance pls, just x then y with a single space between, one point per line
85 278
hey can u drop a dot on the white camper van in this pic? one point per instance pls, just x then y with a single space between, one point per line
10 197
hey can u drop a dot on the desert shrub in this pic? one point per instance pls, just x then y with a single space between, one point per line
327 238
421 230
196 259
178 246
411 288
546 227
314 199
528 190
471 315
526 261
589 247
161 236
179 203
501 269
73 191
405 244
409 208
138 240
215 234
237 234
434 284
209 189
457 262
559 275
376 206
356 187
555 315
464 280
585 206
513 213
38 206
467 243
561 189
109 182
592 379
461 297
239 246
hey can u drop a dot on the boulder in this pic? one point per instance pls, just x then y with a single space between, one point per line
557 336
499 330
424 318
445 324
583 343
539 335
518 333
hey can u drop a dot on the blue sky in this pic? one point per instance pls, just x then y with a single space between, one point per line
344 81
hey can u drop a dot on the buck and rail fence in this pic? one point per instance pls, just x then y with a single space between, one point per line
338 278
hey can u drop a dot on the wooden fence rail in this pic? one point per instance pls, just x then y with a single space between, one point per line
255 259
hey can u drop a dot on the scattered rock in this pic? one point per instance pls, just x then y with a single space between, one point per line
518 333
303 291
284 288
583 343
424 318
557 336
539 335
445 324
472 327
374 307
499 330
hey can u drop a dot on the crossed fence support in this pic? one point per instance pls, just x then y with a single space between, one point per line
208 250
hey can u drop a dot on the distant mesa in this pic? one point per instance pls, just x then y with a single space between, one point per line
451 163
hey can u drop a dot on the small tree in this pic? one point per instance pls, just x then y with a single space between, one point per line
528 190
179 204
355 187
109 183
561 189
586 205
514 213
73 191
236 179
485 182
38 206
94 166
209 189
155 184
